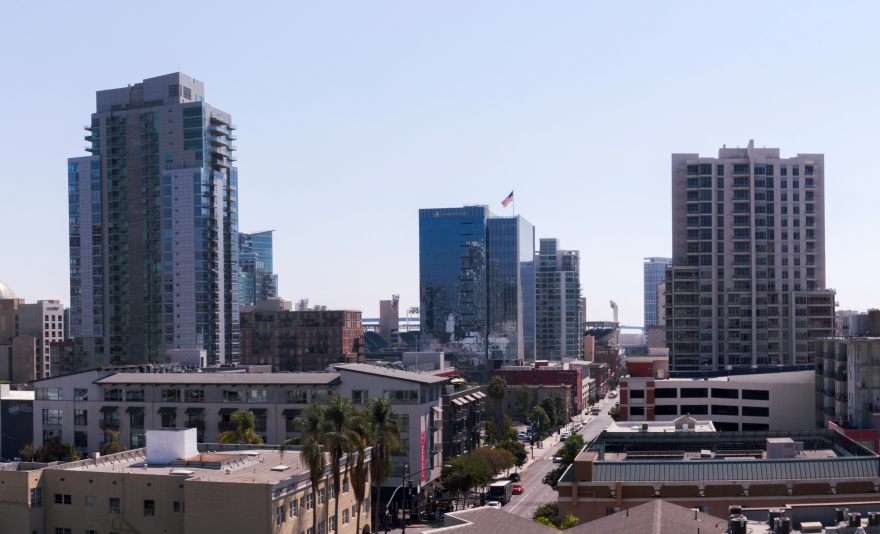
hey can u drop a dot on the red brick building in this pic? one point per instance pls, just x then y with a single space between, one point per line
301 340
600 373
543 374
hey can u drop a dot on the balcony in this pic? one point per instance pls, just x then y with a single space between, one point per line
93 149
198 424
109 424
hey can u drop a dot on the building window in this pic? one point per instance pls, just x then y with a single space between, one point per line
134 395
63 499
609 510
694 393
170 395
91 501
331 524
178 506
256 396
36 497
297 396
150 508
345 517
310 501
758 427
321 493
637 393
279 515
293 508
666 393
52 417
194 395
81 394
696 409
401 396
360 396
403 423
48 394
113 395
114 505
345 486
232 395
62 530
637 410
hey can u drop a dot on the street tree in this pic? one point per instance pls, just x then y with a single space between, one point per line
524 400
541 423
497 391
517 449
573 446
559 404
549 408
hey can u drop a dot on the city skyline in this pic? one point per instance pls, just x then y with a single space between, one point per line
475 119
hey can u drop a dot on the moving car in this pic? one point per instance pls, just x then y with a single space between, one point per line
605 429
517 489
523 435
494 504
557 460
514 477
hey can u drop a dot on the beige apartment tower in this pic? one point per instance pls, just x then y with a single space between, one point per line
747 284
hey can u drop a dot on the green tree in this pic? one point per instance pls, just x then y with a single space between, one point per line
113 446
497 391
541 423
614 412
549 408
507 432
561 412
517 449
73 455
51 451
244 432
548 514
464 473
614 381
27 452
524 400
339 438
313 451
360 472
566 454
385 434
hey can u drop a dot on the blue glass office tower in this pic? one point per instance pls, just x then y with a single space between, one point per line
655 270
476 285
257 280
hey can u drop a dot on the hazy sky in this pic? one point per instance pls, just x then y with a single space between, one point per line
352 116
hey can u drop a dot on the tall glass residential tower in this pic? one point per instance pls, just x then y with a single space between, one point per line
476 285
154 227
559 316
655 270
257 280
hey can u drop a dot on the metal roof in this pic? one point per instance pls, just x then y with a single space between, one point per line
392 373
726 470
230 379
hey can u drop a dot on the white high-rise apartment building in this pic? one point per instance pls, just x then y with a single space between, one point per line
559 325
747 285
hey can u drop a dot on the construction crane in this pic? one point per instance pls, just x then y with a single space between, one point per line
614 307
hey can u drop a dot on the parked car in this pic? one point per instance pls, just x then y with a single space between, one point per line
494 504
517 489
605 429
514 477
523 435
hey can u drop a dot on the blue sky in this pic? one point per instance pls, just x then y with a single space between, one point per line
352 116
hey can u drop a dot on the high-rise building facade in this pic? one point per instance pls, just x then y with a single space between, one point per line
154 227
42 323
559 328
257 280
747 286
474 272
655 270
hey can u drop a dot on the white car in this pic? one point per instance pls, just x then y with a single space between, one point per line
522 435
605 429
494 504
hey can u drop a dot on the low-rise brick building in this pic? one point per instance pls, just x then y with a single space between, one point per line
296 341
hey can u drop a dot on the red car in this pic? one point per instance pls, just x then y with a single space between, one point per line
517 489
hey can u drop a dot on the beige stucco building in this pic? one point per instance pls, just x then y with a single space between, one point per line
210 489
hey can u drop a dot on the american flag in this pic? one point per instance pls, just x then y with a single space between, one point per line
507 200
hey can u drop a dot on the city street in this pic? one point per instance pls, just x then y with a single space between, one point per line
535 492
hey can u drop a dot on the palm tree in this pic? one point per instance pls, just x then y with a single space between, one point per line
339 438
114 445
312 452
244 430
360 471
497 391
385 433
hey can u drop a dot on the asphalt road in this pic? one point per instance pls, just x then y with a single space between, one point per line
536 493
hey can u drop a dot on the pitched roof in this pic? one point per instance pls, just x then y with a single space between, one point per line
655 517
392 373
231 379
486 520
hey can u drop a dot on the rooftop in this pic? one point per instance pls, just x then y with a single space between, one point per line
660 426
280 379
423 378
657 516
486 520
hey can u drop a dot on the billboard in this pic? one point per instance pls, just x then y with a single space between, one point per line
16 426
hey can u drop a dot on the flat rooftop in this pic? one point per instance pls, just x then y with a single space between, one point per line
256 465
659 426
